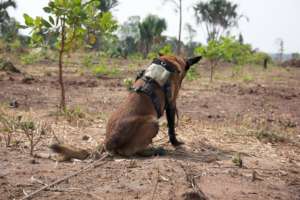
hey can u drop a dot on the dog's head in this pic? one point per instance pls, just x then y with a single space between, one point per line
181 66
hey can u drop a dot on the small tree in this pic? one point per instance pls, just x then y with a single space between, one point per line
68 20
213 53
34 132
227 49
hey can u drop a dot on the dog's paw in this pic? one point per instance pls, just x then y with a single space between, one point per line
176 143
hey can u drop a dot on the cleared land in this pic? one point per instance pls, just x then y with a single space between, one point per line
252 117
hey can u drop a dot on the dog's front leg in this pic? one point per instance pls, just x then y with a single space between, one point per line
171 111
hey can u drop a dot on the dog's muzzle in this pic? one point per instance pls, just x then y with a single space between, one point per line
158 73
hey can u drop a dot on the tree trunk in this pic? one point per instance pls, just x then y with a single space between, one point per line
180 28
212 66
61 81
266 63
147 48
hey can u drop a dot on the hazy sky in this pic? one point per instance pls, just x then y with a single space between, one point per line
269 19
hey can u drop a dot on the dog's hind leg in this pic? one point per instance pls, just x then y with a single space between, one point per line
141 140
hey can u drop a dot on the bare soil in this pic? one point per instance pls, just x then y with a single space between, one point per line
219 122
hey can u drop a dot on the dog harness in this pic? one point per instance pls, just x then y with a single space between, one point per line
156 76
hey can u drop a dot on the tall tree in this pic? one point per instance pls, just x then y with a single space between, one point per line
280 44
107 5
218 16
4 5
9 30
191 32
178 9
151 29
191 44
130 28
129 36
6 22
241 38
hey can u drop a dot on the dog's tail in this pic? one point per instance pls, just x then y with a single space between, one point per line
68 152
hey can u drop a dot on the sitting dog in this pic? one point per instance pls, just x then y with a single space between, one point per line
134 124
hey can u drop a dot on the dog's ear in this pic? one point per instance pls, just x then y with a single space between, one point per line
192 61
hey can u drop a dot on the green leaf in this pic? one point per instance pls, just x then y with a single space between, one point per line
28 20
51 4
76 10
51 20
46 24
47 9
77 2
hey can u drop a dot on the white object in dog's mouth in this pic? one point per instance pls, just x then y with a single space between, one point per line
158 73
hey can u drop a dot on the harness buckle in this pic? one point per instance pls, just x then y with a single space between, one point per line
163 63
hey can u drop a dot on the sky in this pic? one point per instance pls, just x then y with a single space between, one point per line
268 19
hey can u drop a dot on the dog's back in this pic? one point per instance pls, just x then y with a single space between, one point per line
132 126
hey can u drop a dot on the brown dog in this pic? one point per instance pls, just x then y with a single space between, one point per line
134 124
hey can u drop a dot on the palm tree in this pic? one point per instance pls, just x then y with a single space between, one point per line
107 5
4 5
8 26
218 16
150 31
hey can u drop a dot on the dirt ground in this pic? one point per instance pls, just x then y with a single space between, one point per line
251 122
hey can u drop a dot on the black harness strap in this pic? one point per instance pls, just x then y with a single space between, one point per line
149 90
165 65
150 84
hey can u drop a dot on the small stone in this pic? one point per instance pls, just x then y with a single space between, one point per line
85 137
14 104
33 161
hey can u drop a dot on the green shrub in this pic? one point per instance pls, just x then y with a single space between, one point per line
152 55
128 82
236 71
269 136
73 114
33 57
16 45
192 74
136 56
88 61
2 45
259 57
247 78
104 70
166 50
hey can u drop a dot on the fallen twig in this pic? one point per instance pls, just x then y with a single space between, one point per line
191 179
155 187
37 180
92 165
